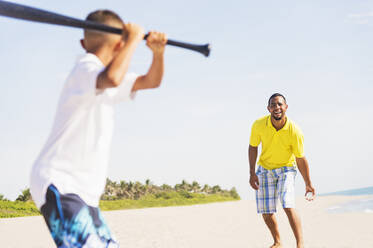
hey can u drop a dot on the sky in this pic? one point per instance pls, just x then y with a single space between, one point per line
196 126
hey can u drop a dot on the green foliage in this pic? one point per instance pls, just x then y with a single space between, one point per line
136 190
234 194
25 196
2 198
185 194
165 199
128 195
17 209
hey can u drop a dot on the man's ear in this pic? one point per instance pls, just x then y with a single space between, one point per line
268 109
83 44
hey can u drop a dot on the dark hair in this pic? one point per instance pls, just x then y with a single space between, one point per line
275 95
103 16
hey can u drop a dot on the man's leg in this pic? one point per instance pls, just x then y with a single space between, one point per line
266 199
286 185
296 225
271 222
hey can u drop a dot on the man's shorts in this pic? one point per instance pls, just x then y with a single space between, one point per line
274 184
73 223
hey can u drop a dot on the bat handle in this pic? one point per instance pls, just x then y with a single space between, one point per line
204 49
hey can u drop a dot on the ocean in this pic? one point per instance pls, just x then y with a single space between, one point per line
363 205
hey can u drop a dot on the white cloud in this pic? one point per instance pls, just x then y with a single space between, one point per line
360 18
361 15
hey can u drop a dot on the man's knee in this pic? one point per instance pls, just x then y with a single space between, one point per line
268 216
290 211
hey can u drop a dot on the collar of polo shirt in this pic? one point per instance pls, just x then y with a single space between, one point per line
285 127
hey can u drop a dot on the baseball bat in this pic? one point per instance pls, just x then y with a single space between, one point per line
23 12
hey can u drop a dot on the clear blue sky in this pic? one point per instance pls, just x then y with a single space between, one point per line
197 125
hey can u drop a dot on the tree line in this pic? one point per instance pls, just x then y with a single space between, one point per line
136 190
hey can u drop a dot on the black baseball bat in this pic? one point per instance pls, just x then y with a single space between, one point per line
23 12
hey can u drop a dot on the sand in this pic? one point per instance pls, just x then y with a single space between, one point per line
217 225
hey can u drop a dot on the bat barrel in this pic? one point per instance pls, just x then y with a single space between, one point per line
23 12
204 49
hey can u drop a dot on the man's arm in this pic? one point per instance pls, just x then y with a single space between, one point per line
153 78
113 74
253 154
303 167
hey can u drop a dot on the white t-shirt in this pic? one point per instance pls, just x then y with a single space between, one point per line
76 155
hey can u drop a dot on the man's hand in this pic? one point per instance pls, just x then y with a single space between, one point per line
253 153
254 181
310 189
303 167
156 42
132 32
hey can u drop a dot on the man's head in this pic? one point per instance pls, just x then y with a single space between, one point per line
94 40
277 106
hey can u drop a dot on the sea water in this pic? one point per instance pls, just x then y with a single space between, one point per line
362 205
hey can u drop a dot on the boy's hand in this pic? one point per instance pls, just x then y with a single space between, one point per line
156 42
132 32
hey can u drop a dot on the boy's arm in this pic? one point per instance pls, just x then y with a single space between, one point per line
113 74
153 78
303 167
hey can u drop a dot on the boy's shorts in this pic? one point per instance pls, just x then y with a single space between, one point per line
73 223
274 184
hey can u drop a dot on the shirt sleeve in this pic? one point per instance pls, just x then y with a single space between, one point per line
124 91
255 137
85 80
298 143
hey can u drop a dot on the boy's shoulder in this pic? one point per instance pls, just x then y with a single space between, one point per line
88 59
86 64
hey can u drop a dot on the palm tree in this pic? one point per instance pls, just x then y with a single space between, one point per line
177 187
148 182
186 186
138 190
234 194
131 190
206 189
148 186
195 187
166 187
25 196
216 189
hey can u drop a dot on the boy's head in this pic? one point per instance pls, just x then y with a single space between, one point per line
94 40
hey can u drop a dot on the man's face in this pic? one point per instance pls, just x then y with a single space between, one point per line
277 107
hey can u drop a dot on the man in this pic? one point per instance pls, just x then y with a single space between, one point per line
282 148
69 175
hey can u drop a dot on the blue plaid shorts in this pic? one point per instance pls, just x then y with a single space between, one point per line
275 184
74 224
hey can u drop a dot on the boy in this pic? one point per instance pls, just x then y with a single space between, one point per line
69 175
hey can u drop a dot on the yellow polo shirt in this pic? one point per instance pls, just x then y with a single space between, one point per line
279 148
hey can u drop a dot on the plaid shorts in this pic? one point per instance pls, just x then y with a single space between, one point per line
274 184
74 224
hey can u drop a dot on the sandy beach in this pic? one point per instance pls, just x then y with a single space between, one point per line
218 225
